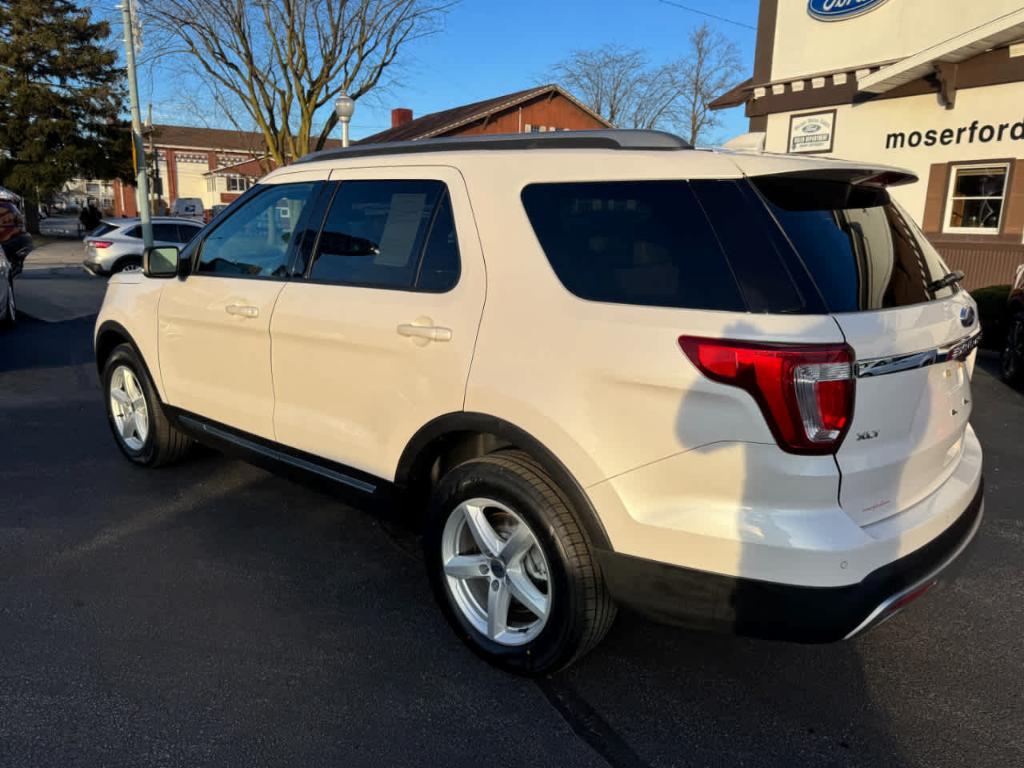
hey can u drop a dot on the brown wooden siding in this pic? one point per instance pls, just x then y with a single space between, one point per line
992 264
935 198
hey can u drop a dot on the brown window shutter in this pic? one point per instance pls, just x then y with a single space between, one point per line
935 198
1013 216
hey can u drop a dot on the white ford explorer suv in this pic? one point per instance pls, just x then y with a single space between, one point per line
601 369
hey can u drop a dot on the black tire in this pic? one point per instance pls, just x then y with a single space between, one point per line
1012 358
163 444
127 262
581 610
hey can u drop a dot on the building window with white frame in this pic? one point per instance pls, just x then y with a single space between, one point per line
975 202
238 183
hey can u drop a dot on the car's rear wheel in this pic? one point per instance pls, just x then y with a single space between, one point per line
135 414
511 567
1012 361
127 263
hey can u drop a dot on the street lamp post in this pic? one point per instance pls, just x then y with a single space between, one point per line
344 106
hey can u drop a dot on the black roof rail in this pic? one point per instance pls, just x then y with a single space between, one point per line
599 139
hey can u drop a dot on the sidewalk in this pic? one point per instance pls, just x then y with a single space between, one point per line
56 254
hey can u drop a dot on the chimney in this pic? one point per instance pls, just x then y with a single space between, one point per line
400 116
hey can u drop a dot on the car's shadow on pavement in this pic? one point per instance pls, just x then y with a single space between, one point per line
33 343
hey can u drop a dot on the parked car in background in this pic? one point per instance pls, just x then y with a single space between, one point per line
7 312
116 244
1013 353
601 368
15 246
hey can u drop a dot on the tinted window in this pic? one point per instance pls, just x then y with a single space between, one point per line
102 229
375 232
165 232
645 242
186 232
135 232
861 250
770 277
439 270
255 239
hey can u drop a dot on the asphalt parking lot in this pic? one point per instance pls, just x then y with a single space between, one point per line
215 614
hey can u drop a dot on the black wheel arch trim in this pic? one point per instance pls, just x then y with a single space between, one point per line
112 326
412 461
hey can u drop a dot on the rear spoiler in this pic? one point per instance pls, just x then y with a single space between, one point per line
816 169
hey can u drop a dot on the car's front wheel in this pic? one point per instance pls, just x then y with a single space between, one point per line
135 414
511 567
1012 361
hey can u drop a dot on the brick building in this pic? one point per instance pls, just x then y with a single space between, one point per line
211 164
544 108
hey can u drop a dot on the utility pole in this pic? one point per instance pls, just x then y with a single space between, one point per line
158 187
138 149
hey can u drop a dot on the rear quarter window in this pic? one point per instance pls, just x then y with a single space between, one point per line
644 243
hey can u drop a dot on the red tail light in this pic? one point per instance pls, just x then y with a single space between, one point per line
100 243
804 392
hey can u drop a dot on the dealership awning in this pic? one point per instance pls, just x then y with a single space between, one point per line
966 45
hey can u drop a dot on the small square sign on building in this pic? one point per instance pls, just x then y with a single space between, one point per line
812 132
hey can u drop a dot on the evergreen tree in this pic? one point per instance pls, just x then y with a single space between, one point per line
61 96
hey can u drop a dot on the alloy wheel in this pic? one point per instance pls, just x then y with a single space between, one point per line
128 408
496 571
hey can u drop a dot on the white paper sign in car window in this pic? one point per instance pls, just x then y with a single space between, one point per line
399 237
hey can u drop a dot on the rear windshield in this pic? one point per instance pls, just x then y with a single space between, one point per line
779 245
862 251
102 229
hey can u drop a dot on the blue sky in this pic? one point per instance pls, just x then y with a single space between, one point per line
490 47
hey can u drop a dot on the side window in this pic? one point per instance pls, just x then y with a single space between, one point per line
256 240
769 278
375 234
135 232
646 243
165 232
439 269
186 232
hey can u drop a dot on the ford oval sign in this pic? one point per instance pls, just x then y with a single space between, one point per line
837 10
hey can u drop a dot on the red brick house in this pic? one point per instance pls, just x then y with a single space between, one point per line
544 108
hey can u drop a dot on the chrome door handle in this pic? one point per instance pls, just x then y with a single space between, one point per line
428 332
242 310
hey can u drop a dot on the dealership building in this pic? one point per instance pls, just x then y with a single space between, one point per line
935 86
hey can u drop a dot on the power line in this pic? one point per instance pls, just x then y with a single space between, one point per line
705 13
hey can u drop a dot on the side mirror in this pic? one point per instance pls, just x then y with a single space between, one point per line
160 261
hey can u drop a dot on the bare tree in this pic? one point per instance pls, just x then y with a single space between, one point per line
282 61
619 84
710 68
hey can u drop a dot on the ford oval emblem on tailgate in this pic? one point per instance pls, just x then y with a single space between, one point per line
967 317
837 10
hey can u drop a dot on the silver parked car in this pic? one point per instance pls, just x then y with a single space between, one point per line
116 244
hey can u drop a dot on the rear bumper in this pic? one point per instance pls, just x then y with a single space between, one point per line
676 595
94 268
